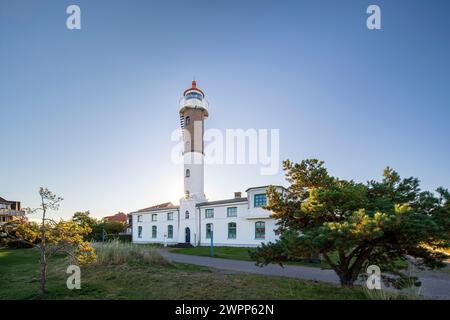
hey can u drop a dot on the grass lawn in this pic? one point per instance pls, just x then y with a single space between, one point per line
19 280
238 253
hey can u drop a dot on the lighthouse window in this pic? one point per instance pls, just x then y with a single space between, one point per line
188 173
188 120
187 215
194 95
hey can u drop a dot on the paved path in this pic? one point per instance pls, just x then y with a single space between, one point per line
435 285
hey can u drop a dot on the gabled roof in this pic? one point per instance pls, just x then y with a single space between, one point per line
120 216
162 206
3 200
211 203
260 187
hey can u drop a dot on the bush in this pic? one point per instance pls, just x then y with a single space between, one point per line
17 244
119 237
116 252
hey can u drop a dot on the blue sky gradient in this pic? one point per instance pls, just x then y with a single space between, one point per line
89 113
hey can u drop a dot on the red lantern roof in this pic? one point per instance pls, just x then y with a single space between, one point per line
194 88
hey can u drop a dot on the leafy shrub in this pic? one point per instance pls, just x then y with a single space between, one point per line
119 237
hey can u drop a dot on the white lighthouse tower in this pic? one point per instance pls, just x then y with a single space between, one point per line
193 112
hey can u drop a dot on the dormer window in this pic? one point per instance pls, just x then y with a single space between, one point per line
260 200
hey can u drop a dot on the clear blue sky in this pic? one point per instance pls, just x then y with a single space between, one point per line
89 113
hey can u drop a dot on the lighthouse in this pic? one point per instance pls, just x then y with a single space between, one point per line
193 113
241 221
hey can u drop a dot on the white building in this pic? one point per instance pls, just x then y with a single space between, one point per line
239 221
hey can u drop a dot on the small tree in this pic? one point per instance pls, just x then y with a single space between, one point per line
84 219
50 236
353 225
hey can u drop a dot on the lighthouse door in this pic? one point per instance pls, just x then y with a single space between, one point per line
188 235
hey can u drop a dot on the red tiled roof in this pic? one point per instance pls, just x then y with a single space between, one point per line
122 217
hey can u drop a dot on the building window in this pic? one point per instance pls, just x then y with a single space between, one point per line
188 173
209 228
139 218
232 212
260 230
209 213
170 216
154 232
188 120
260 200
232 230
154 217
186 215
140 232
170 231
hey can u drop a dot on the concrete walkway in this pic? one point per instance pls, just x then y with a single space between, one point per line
435 285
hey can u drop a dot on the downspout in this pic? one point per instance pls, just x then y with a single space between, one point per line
199 226
178 229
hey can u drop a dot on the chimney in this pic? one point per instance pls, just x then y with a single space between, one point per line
237 194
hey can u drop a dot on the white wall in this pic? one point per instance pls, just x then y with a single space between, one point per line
161 227
195 182
245 226
247 216
191 223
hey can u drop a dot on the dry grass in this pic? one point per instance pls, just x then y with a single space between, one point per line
115 252
19 274
408 294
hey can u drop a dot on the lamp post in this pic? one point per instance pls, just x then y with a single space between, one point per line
103 234
211 250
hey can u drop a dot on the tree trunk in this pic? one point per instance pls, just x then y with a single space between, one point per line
346 280
43 271
43 261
